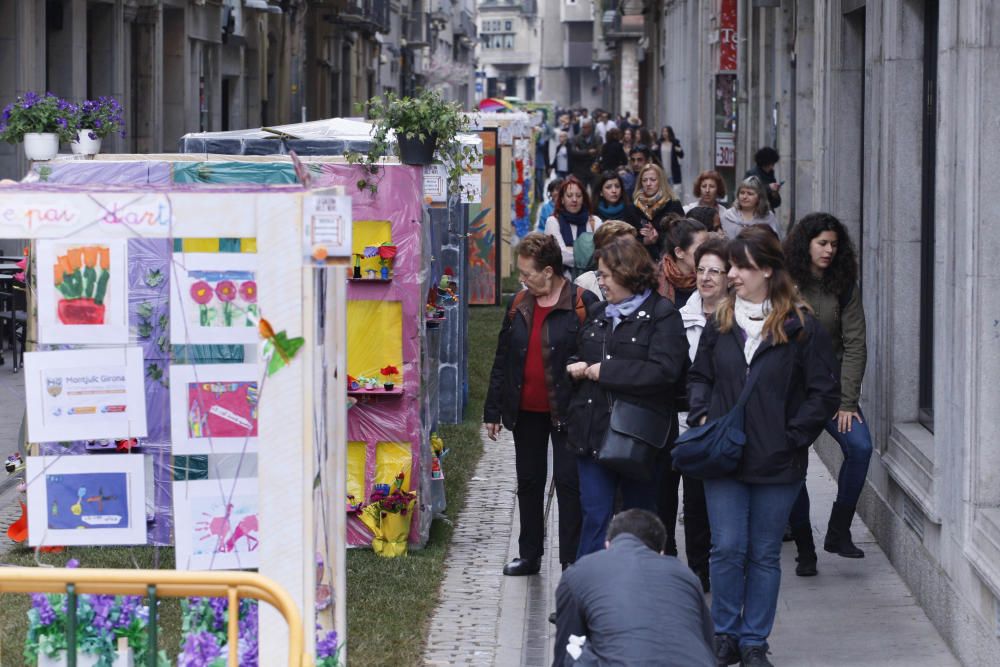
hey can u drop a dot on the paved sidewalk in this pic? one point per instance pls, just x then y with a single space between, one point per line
856 612
11 411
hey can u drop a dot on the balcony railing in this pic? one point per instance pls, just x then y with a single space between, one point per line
370 15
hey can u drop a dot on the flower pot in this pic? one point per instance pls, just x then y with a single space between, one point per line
416 152
82 660
371 386
41 145
385 273
80 311
388 386
84 145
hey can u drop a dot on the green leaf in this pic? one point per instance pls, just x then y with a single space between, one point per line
145 310
145 329
155 277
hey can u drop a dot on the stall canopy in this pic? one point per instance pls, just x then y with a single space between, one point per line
332 136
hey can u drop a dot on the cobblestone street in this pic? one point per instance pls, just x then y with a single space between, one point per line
856 612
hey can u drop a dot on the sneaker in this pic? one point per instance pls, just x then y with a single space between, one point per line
754 656
727 650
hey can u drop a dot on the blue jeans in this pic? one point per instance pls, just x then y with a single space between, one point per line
856 446
597 500
747 522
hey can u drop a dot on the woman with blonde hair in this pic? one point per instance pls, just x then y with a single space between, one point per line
654 199
750 208
763 335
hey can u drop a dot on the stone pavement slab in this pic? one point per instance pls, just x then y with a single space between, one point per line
856 612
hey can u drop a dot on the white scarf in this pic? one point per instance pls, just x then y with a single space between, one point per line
750 317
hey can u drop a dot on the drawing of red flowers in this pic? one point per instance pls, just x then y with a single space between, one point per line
248 291
201 292
225 290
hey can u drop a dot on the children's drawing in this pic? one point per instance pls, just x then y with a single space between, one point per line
214 408
87 500
216 524
82 292
222 409
214 298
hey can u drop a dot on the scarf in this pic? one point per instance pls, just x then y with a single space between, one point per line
616 311
609 211
673 279
566 219
751 317
646 204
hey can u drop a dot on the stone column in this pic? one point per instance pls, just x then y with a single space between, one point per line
629 78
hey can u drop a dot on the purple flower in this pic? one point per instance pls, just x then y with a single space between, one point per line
72 563
200 649
219 607
326 646
41 603
97 123
7 110
30 99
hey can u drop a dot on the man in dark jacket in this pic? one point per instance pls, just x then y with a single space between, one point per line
765 159
633 605
584 151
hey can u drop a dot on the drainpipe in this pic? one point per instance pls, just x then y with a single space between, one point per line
793 117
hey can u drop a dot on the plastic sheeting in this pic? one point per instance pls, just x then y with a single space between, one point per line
333 136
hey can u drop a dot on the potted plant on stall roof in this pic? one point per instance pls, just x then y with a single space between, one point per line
421 125
93 121
39 121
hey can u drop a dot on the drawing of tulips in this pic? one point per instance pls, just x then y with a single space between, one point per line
82 276
248 293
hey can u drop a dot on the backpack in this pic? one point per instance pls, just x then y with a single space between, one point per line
580 306
583 250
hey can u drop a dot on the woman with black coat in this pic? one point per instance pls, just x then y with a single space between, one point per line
611 202
631 348
761 330
529 393
612 154
654 199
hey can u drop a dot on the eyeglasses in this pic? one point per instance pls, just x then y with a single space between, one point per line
709 271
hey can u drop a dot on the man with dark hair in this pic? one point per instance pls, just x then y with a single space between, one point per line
632 604
638 158
765 159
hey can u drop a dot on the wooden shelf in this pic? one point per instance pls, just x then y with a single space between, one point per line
369 280
433 322
364 395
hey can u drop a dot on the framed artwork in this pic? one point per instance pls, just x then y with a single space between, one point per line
213 298
86 500
216 524
213 408
85 394
82 291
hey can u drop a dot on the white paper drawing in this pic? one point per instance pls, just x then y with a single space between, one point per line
216 524
213 298
213 408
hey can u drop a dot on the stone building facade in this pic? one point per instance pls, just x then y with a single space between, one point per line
884 115
183 66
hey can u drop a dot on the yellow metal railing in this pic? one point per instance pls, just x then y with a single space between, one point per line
165 583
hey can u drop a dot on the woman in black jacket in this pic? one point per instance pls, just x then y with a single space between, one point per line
760 331
529 394
654 199
612 154
631 348
611 202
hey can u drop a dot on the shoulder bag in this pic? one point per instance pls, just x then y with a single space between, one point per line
715 449
635 436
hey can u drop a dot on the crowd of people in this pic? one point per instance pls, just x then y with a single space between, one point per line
639 318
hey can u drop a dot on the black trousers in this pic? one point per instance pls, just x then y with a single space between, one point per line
697 533
531 448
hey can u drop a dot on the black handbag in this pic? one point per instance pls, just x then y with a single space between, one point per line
635 436
715 449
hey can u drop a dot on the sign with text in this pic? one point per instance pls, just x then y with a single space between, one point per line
327 226
728 37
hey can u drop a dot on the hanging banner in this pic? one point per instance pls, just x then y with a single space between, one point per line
727 36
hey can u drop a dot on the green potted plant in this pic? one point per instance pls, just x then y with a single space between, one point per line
421 125
39 121
94 120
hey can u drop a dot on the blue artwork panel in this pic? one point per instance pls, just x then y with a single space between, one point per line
87 500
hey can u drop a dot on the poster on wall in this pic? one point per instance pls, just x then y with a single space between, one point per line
213 408
86 500
84 394
213 298
484 280
216 524
82 293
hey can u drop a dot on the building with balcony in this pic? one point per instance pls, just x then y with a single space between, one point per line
622 31
570 75
508 51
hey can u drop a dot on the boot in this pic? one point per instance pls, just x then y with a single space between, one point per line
838 533
806 559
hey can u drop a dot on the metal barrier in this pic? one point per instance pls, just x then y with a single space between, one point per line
163 583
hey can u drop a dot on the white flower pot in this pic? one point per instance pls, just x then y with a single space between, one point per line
41 145
84 145
82 660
